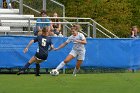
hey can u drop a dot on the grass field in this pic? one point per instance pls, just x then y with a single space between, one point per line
66 83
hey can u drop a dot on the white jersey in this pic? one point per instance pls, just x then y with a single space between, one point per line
77 46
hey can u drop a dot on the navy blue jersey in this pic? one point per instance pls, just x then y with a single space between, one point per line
43 42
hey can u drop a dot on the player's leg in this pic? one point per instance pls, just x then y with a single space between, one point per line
62 64
80 58
77 68
37 73
33 59
39 58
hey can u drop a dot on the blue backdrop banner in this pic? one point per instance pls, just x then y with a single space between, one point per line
116 53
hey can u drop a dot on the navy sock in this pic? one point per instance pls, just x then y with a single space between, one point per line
26 66
37 69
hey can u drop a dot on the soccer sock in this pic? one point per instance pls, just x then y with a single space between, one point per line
37 69
60 65
75 70
26 66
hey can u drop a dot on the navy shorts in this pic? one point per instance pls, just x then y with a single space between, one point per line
41 56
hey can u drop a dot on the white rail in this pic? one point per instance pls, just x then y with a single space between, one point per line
73 20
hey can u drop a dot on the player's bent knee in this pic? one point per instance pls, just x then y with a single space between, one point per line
66 61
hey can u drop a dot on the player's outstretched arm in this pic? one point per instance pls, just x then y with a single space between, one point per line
61 46
26 49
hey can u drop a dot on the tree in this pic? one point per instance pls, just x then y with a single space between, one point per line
114 15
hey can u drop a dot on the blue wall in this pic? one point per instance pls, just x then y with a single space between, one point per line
117 53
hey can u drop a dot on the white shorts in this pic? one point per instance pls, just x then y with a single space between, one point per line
79 54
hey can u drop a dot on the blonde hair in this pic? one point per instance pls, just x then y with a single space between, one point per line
77 27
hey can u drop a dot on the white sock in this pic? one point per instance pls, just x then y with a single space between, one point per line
60 65
75 70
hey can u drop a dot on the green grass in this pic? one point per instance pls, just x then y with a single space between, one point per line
66 83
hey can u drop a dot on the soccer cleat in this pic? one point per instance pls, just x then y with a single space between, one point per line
74 75
37 74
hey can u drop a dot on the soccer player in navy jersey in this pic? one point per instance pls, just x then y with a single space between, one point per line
44 44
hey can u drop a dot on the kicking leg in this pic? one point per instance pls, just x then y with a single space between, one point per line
33 59
62 64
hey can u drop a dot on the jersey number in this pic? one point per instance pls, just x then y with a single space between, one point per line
44 41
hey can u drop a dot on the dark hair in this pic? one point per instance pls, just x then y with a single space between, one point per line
45 29
43 12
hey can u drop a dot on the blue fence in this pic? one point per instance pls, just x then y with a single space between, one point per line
108 53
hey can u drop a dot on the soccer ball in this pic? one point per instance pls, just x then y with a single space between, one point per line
54 72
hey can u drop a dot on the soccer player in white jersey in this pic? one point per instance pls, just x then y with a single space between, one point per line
77 51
